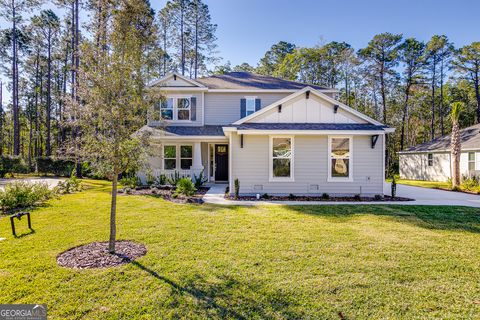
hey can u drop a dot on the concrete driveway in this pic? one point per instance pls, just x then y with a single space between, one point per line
52 182
426 196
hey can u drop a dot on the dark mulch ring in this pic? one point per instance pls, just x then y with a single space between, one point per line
166 192
96 255
316 198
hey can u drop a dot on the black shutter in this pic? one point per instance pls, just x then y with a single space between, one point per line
258 104
193 109
243 107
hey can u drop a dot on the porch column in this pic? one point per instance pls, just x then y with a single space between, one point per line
197 165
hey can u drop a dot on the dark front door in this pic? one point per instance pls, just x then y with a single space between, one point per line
221 162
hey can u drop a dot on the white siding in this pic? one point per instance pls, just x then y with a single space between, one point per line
251 167
414 166
302 110
224 108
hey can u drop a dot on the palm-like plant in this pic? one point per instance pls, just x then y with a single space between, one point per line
455 143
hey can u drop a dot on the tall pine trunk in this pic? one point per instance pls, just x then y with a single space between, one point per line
15 100
49 95
442 127
432 123
404 117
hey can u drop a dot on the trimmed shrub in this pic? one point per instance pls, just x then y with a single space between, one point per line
199 180
325 196
237 188
23 194
185 187
160 181
129 182
56 166
174 178
394 187
12 164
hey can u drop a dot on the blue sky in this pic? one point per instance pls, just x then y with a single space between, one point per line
247 28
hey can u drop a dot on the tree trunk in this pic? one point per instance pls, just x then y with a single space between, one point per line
196 42
182 39
1 118
477 93
113 213
432 124
404 117
442 128
455 153
49 96
16 111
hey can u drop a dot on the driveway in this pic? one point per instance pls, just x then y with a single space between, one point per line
52 182
427 196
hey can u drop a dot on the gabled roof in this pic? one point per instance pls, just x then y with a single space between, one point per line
311 126
252 81
315 92
469 137
176 75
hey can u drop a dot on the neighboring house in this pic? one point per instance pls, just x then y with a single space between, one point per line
274 136
432 160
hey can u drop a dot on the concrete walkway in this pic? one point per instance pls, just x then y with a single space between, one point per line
422 196
52 182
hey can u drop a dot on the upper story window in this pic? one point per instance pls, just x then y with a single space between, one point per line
430 159
250 105
177 108
340 163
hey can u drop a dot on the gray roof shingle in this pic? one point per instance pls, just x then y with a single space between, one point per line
208 130
249 81
309 126
470 139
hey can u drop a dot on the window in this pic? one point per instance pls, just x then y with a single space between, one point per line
430 159
183 108
471 162
170 157
250 105
340 165
281 165
185 157
166 109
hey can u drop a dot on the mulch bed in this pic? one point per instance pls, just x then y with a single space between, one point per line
166 192
315 198
96 255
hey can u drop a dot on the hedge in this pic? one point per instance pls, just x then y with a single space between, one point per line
56 166
12 164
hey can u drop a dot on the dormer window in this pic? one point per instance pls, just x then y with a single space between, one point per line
178 108
250 105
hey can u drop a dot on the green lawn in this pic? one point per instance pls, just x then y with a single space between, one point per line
425 184
317 262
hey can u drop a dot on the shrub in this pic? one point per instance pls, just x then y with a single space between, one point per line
23 194
199 180
291 196
237 187
56 166
185 187
325 196
129 181
12 164
471 183
174 178
357 197
265 196
394 187
378 197
160 180
72 184
150 179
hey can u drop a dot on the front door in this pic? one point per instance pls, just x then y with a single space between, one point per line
221 162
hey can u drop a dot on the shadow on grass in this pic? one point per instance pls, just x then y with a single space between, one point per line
226 298
430 217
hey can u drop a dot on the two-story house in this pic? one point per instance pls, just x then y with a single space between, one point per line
275 136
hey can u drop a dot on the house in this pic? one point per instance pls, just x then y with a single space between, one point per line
275 136
432 160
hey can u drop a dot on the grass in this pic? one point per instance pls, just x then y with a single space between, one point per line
317 262
437 185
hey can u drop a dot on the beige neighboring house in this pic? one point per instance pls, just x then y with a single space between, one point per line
275 136
431 161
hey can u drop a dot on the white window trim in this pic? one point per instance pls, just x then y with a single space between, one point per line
476 160
270 160
175 108
428 159
178 157
350 160
254 98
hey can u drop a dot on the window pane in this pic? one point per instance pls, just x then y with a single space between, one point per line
186 151
471 166
170 164
340 168
167 114
471 156
282 147
170 152
183 114
340 147
281 168
167 103
185 164
250 105
183 103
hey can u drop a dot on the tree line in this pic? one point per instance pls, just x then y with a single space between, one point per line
403 82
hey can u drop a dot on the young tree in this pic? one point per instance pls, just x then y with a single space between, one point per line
467 63
11 11
112 91
412 55
455 143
